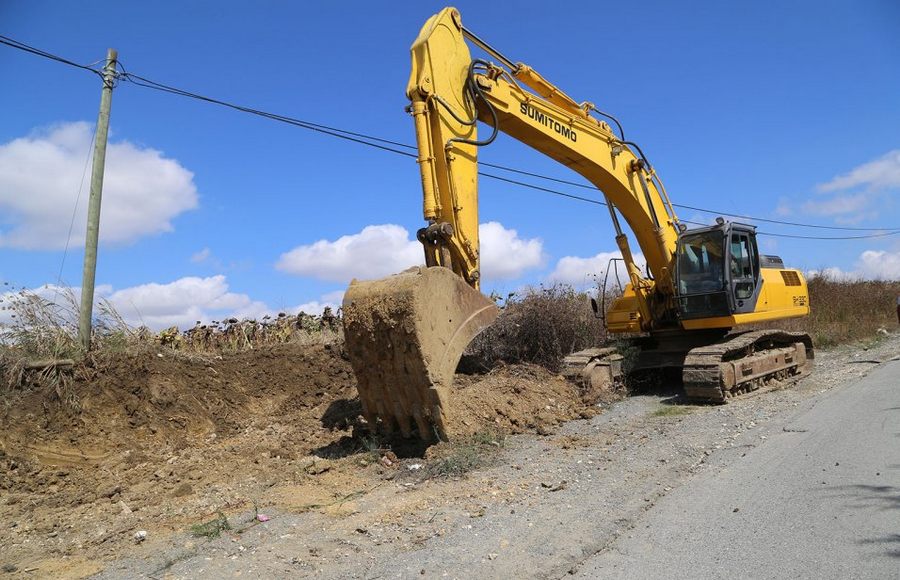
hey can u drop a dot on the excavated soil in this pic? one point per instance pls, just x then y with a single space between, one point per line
160 441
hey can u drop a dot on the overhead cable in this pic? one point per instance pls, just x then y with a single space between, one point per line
405 149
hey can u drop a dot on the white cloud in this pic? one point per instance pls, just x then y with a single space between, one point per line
201 256
838 205
506 256
180 303
871 265
579 271
783 209
186 300
376 251
334 297
381 250
882 173
39 178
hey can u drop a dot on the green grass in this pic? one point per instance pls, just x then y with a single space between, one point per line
461 457
673 410
211 529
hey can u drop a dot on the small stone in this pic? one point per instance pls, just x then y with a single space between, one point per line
10 568
140 536
183 490
317 467
111 491
735 510
125 509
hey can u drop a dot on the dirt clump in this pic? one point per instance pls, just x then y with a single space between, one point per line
515 399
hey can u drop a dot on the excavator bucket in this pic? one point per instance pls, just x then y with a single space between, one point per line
405 335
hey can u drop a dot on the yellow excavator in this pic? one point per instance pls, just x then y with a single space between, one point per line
405 333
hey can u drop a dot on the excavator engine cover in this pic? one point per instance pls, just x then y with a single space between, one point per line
405 335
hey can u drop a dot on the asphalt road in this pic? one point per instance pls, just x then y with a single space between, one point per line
819 497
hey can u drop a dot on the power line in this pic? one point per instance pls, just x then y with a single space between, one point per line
775 235
38 52
392 147
356 137
539 188
682 206
362 139
75 208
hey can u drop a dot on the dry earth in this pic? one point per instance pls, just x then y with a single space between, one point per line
160 441
164 442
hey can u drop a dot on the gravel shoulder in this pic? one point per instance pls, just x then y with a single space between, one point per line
818 499
543 508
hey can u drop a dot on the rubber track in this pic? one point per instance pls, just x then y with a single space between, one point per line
703 379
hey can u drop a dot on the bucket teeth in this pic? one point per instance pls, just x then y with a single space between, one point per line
405 335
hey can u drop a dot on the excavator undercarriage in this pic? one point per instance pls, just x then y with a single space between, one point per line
711 369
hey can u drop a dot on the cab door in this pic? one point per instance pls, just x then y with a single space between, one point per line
743 270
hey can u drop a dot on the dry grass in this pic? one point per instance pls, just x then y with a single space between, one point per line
845 311
459 457
542 326
44 329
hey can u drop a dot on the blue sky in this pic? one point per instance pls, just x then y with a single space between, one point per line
785 110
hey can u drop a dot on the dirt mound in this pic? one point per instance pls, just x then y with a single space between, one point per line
159 441
160 399
514 399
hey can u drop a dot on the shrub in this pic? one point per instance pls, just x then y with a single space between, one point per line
845 310
541 327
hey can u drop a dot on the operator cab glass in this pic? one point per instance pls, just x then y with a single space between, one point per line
700 264
717 271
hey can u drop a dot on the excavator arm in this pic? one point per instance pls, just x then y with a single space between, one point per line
449 91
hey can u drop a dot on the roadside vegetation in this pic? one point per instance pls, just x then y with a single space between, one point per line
457 458
541 325
39 346
846 311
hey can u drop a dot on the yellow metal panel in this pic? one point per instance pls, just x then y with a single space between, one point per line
776 301
440 70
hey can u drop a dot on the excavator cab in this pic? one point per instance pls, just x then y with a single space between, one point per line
717 271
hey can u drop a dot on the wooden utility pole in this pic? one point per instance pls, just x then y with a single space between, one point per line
93 218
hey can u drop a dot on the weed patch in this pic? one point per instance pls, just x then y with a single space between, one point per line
673 410
211 529
458 458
